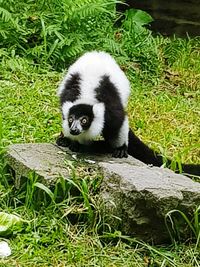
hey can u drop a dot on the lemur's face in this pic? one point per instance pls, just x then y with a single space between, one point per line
78 124
80 118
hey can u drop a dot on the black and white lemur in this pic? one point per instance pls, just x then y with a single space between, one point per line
93 98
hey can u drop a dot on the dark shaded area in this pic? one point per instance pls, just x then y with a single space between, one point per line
148 227
179 17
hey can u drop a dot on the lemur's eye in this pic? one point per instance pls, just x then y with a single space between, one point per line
70 119
84 120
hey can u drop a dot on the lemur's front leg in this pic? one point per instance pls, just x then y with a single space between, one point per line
63 141
120 142
74 146
120 152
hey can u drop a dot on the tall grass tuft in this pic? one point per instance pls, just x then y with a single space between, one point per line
192 223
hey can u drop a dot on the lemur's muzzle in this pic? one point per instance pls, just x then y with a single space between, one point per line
74 131
75 128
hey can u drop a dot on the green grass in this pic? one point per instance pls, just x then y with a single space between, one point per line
165 114
162 114
167 122
55 247
66 227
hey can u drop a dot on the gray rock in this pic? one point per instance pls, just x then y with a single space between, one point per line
46 160
49 161
139 197
136 197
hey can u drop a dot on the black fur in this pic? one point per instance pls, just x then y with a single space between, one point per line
120 152
193 169
114 116
114 111
139 150
74 146
81 110
62 140
72 89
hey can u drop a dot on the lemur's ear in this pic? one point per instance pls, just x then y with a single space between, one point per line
99 110
65 109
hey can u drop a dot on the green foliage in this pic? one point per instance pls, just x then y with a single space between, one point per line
53 31
193 224
56 32
10 224
77 194
38 36
54 236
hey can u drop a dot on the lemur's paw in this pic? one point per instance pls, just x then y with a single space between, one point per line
120 152
62 140
74 146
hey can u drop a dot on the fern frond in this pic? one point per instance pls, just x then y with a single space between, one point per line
5 15
91 9
112 46
4 33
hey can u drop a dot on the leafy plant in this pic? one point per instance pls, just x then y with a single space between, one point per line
52 31
193 224
56 32
39 37
10 223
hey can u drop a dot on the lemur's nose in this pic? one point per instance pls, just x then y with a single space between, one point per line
74 131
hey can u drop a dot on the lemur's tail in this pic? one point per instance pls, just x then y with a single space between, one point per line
139 150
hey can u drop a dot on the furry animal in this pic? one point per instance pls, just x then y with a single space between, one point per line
93 98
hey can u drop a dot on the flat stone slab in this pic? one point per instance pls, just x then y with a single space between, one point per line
137 197
141 196
48 160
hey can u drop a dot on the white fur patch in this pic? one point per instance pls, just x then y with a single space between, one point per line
98 121
65 126
65 109
91 67
123 134
88 101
